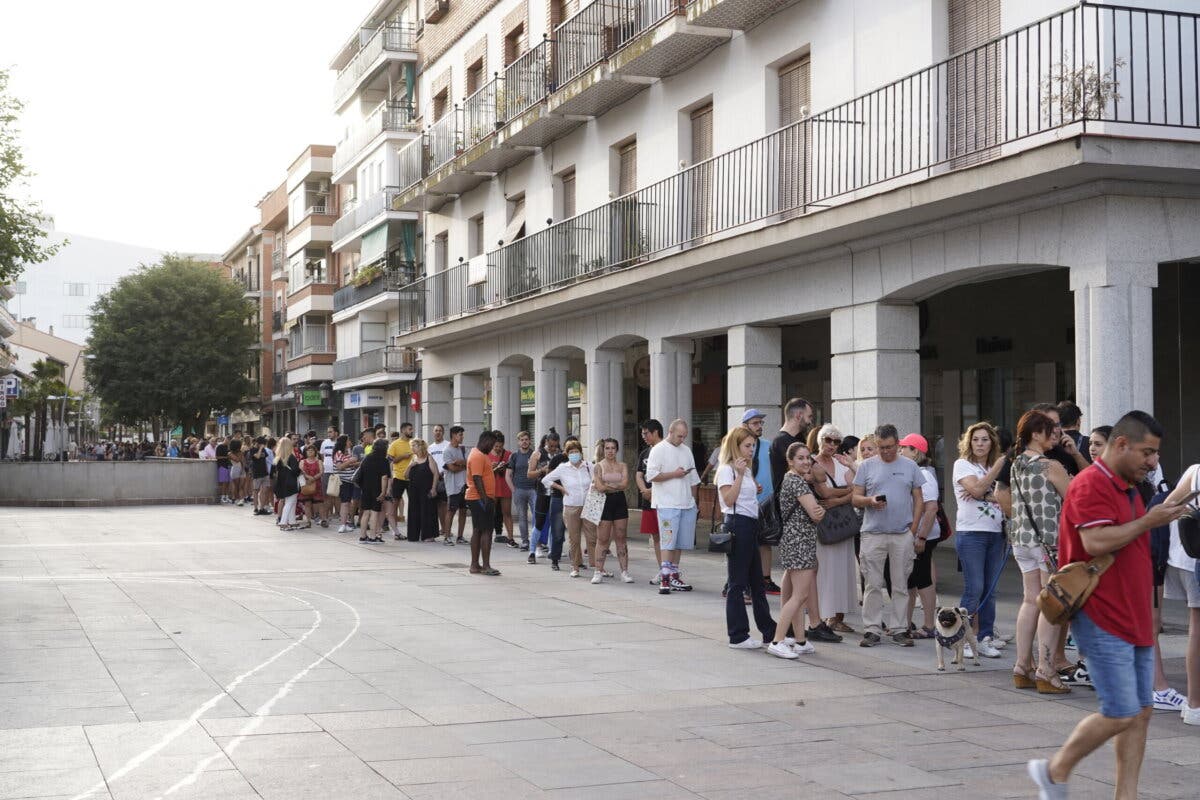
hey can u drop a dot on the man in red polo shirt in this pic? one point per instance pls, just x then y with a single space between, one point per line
1103 513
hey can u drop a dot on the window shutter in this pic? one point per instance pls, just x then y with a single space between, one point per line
701 176
973 80
568 195
627 181
794 144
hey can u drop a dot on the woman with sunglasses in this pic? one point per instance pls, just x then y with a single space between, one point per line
836 575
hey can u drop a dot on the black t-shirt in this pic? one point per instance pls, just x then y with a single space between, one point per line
778 453
223 456
550 461
643 457
258 463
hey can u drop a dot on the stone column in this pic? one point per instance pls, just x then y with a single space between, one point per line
875 369
467 405
671 380
755 377
550 396
605 396
506 402
1114 348
435 405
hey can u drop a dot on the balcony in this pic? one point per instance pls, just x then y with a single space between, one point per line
362 216
412 160
376 281
928 124
392 120
278 264
526 86
396 363
8 360
279 387
653 38
738 15
8 325
393 42
7 292
250 282
309 339
276 321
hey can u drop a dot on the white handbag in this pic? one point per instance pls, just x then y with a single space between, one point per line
593 506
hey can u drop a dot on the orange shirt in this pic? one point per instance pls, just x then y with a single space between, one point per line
478 464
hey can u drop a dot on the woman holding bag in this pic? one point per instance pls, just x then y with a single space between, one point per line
571 480
838 573
612 479
738 497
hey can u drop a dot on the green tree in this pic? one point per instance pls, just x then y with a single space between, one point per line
22 238
171 340
45 381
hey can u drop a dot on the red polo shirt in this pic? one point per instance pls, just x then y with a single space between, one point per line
1120 605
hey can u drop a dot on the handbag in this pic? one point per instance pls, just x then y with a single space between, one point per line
720 540
1189 527
1070 587
839 523
335 484
593 506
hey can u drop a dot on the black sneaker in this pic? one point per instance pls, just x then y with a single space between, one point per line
869 639
532 558
501 540
724 592
823 633
677 584
902 639
771 587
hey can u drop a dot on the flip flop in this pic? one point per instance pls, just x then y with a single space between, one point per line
921 633
490 571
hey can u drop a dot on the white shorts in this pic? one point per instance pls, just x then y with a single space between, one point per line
1030 558
1180 584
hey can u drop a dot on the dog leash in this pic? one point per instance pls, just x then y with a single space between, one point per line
995 582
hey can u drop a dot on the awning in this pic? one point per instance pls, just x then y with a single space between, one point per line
374 244
515 225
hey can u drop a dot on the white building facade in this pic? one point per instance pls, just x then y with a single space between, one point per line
924 212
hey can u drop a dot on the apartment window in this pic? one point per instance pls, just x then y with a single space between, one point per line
514 44
372 335
77 320
475 244
474 77
793 91
568 195
562 10
794 144
441 252
314 265
516 220
440 101
316 196
75 289
627 168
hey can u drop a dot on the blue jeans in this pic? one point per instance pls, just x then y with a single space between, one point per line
982 555
523 510
1122 673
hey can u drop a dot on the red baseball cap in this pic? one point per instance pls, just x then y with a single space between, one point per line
915 441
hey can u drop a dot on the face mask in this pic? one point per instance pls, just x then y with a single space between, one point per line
575 458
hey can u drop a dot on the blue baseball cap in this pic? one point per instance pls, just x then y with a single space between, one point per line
752 414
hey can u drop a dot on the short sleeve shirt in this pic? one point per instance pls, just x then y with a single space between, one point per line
437 451
746 504
400 452
327 454
931 494
896 480
779 465
974 515
480 466
643 503
455 481
1120 605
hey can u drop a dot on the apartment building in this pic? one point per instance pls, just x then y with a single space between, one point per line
248 268
375 246
280 406
924 212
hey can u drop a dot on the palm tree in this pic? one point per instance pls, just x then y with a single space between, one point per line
46 380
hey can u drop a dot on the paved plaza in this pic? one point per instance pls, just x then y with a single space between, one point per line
196 652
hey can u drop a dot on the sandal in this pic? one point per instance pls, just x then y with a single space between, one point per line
1023 678
921 633
491 571
839 625
364 538
1049 685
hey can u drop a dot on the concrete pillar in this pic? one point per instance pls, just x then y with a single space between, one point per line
467 405
875 369
1114 349
506 402
671 380
605 395
550 396
755 376
435 405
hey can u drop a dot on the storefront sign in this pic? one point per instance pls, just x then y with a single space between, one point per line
310 397
363 399
12 385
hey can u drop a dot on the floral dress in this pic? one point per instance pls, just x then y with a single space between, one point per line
798 546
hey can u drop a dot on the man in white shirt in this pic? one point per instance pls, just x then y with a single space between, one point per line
437 451
671 471
326 452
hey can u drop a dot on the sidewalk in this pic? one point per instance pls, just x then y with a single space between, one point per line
388 672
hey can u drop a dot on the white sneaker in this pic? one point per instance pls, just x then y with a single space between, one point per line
968 652
1191 716
606 573
625 576
779 650
574 573
804 649
999 644
1169 700
597 576
240 503
341 529
747 644
985 649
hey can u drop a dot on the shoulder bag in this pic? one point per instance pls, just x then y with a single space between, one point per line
839 523
593 503
1189 527
720 539
770 526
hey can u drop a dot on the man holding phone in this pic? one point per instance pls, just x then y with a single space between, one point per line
671 471
888 488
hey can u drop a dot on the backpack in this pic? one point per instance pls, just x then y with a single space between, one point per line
1160 537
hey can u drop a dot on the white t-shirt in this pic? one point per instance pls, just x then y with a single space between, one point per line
674 492
1177 556
974 515
327 454
437 451
929 492
747 499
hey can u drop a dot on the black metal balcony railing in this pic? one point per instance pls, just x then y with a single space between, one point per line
395 274
445 139
277 261
601 28
250 281
526 81
391 37
1100 66
392 115
384 359
483 113
276 321
411 159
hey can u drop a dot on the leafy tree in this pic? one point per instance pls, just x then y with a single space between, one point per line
46 380
22 238
171 340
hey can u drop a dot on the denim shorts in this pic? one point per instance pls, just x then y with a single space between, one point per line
1122 673
677 528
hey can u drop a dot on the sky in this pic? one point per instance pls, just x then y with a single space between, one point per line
163 123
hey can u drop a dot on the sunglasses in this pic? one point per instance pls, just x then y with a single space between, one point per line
831 440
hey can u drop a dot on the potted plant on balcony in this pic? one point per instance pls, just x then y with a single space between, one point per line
367 275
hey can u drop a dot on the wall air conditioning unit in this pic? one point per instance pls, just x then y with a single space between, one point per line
436 10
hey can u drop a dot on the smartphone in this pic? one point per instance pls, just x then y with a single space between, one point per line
881 498
693 469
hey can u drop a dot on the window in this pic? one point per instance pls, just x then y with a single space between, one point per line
516 220
514 44
314 265
795 145
568 194
627 168
474 77
475 236
702 150
373 336
440 101
441 251
104 288
77 320
75 289
562 10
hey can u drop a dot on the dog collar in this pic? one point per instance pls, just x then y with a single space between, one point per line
950 641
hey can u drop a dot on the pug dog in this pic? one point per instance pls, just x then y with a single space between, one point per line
953 632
